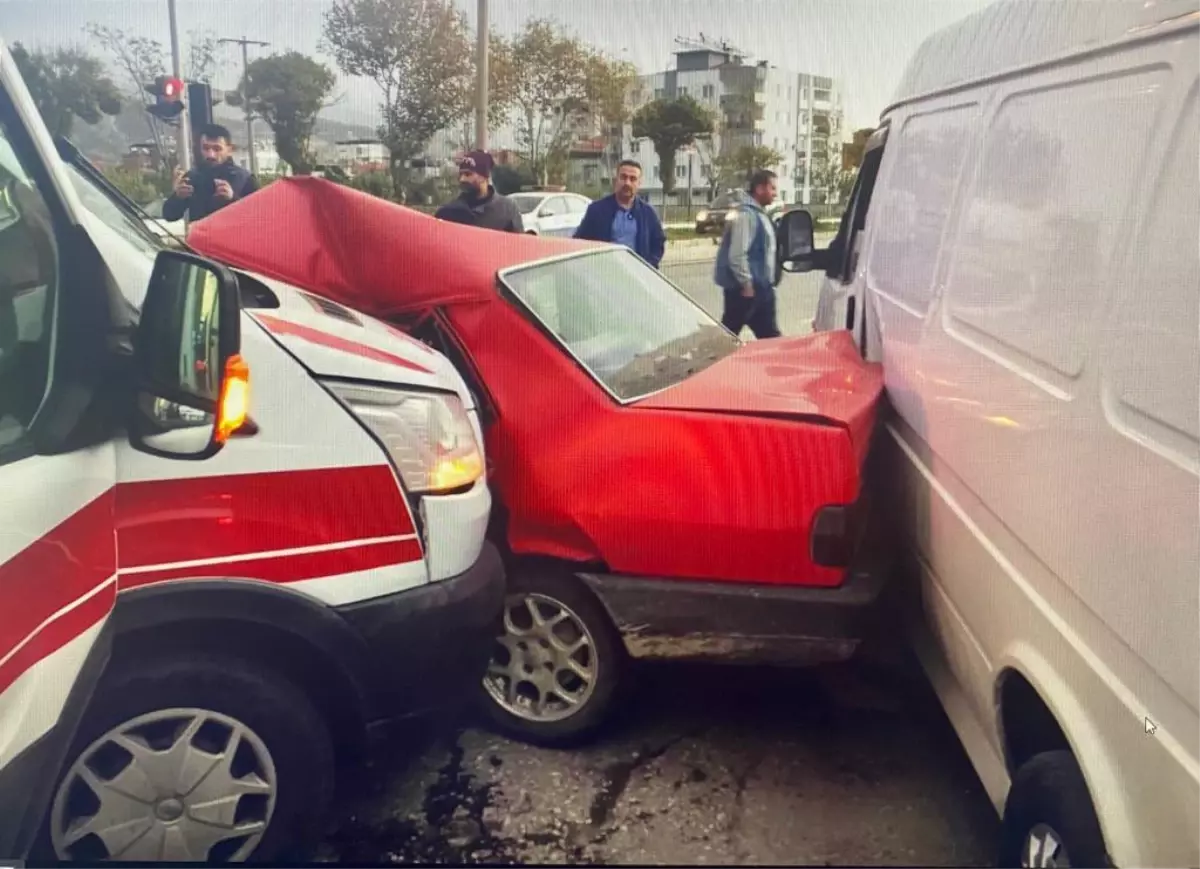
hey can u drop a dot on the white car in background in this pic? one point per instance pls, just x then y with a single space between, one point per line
550 212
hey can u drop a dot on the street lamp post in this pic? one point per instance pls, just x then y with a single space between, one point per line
184 145
481 64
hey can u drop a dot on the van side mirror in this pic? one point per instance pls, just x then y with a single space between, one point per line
794 241
191 386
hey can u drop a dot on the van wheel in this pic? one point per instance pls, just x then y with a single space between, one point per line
556 664
1049 819
207 759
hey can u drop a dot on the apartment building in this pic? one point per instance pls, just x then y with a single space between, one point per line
797 114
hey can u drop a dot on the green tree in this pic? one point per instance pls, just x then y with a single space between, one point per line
549 93
67 84
140 186
609 87
288 91
671 124
417 52
750 158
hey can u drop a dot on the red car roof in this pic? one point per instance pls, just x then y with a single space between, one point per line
373 255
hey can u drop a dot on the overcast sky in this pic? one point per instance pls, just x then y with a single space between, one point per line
863 43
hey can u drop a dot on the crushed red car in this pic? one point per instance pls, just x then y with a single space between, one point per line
662 489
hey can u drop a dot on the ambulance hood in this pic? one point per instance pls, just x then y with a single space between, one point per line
332 340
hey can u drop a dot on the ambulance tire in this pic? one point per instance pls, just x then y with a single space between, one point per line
610 662
265 702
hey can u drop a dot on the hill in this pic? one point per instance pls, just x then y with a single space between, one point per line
109 140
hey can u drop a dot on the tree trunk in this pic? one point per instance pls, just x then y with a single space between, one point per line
666 169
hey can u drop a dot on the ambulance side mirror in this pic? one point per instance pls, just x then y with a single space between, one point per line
190 384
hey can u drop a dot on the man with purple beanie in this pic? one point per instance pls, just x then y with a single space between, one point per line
479 204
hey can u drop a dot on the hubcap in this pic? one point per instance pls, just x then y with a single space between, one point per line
173 785
1044 849
544 665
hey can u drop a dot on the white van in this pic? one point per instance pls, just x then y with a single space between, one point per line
1021 254
202 610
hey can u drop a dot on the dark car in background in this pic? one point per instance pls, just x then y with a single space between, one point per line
711 220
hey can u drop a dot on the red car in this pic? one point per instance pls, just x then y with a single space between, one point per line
663 490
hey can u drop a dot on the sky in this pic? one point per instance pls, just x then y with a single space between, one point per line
865 44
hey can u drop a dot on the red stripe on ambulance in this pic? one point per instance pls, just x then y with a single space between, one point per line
284 568
56 589
209 518
335 342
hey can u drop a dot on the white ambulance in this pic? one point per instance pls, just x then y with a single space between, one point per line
202 611
1021 254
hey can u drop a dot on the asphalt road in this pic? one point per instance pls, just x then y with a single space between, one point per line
847 765
796 295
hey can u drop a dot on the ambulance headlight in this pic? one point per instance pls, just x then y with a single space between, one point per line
428 435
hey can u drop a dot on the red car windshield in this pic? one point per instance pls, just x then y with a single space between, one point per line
630 327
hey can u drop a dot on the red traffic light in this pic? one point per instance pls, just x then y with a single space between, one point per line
171 89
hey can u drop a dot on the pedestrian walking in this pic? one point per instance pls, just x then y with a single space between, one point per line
745 268
213 183
479 204
623 218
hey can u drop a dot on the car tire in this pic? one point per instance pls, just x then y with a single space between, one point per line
1049 814
159 704
553 594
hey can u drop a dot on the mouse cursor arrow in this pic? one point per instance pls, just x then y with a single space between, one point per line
1151 727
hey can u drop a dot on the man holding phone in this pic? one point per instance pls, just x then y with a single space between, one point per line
213 183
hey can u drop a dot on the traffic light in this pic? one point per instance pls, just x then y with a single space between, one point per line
200 105
168 98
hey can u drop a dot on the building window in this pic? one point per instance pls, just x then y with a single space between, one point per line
633 146
683 91
681 171
659 93
657 174
707 91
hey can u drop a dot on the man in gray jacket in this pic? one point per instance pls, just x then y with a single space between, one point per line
479 204
745 268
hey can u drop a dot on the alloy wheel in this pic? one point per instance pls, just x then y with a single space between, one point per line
544 665
1044 849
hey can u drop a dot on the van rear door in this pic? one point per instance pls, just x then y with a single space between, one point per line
57 549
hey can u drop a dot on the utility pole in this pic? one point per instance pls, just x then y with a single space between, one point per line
184 145
481 65
245 43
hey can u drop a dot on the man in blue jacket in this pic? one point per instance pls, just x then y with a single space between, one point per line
745 268
622 218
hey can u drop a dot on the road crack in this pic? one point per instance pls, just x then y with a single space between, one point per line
617 776
737 838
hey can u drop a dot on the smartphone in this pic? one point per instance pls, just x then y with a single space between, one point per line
203 183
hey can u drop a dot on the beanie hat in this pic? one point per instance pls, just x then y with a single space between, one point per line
480 162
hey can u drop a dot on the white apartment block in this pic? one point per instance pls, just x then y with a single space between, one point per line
793 113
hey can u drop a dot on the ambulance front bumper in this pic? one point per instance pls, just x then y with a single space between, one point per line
429 646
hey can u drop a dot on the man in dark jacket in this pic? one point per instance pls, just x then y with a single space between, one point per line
215 182
479 204
623 218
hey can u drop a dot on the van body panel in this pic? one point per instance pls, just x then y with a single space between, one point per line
1029 277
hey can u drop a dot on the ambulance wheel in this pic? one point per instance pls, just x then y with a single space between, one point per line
203 759
557 663
1049 819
